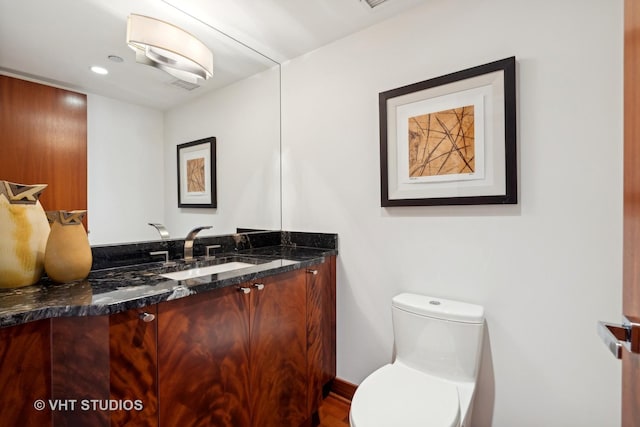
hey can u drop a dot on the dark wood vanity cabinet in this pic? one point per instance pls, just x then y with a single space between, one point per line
257 357
251 355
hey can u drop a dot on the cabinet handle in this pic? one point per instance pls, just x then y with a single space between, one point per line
244 290
258 286
314 272
147 317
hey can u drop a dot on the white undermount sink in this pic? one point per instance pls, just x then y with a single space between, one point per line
203 271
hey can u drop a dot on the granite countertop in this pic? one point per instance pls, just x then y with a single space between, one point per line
112 290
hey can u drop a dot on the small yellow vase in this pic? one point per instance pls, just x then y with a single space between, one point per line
23 234
68 254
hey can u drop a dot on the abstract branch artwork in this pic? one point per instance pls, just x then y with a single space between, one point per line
450 140
197 174
442 143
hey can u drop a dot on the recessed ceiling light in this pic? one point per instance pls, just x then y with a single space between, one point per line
115 58
99 70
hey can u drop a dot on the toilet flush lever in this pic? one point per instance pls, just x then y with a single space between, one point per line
616 337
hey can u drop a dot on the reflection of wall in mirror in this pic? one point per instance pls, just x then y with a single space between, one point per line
245 118
133 168
126 171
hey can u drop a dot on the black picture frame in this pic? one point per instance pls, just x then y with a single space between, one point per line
197 185
492 90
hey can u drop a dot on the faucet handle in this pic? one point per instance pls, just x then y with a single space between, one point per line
208 250
165 253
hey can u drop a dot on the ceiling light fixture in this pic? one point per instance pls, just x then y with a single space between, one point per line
169 48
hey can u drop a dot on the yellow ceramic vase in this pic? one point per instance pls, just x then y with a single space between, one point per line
68 254
23 234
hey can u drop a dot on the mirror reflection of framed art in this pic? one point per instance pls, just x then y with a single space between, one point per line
197 174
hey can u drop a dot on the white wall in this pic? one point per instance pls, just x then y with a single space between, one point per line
245 119
545 269
126 170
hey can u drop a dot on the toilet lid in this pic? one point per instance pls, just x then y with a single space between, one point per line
396 395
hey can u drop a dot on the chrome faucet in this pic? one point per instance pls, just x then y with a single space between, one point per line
188 242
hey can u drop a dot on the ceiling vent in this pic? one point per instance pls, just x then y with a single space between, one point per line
374 3
185 85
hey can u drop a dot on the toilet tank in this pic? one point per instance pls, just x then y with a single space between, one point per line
437 336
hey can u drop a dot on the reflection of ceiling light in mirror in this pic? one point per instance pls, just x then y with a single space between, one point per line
99 70
169 48
74 100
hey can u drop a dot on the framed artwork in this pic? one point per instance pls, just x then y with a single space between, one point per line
197 174
451 140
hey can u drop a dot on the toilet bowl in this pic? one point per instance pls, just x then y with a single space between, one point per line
431 383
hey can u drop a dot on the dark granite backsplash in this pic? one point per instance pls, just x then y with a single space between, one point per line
309 240
110 256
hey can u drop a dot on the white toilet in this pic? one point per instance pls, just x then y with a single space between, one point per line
431 383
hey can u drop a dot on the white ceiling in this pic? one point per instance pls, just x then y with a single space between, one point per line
56 41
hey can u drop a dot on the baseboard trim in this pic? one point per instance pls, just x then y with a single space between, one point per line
343 388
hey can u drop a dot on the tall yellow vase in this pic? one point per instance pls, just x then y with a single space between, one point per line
68 254
23 234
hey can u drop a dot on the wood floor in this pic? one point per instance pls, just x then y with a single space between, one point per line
334 411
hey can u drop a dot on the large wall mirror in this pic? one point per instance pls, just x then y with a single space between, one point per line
137 115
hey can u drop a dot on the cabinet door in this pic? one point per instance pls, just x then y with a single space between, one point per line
80 370
203 360
279 351
133 367
25 363
321 330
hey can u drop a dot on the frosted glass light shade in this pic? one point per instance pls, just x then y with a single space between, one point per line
169 48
